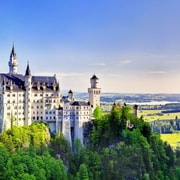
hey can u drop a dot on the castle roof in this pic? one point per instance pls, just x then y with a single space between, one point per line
94 77
70 91
80 103
18 81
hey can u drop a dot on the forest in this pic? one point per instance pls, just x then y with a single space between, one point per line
120 146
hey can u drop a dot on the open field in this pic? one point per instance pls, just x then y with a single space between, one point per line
152 115
172 139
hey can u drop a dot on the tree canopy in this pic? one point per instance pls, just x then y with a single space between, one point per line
120 146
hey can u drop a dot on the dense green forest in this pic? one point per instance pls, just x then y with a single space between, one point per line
120 146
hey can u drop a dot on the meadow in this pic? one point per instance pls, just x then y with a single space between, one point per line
152 115
172 139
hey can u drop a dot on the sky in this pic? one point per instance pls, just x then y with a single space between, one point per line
133 46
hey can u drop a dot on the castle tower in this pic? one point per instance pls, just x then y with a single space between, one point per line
70 95
94 92
28 89
13 64
135 108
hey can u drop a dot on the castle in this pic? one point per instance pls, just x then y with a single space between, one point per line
25 99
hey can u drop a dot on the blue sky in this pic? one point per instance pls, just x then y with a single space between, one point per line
131 45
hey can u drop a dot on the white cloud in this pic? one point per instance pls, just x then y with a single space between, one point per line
157 72
125 61
97 64
74 74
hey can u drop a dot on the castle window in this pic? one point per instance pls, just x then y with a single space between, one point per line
35 94
41 94
54 117
13 95
8 95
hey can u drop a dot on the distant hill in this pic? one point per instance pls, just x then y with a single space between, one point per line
129 98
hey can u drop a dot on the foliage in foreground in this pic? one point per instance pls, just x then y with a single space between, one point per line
28 164
115 151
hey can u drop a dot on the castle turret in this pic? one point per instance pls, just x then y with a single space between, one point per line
70 95
13 64
28 89
135 108
94 92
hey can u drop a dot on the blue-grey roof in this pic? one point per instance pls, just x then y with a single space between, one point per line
94 77
80 103
41 79
18 81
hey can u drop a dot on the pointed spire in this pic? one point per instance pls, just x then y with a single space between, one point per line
94 77
13 53
70 91
28 72
13 64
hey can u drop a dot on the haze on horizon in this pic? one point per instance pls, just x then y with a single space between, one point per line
132 46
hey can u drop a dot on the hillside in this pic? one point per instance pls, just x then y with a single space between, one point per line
120 146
